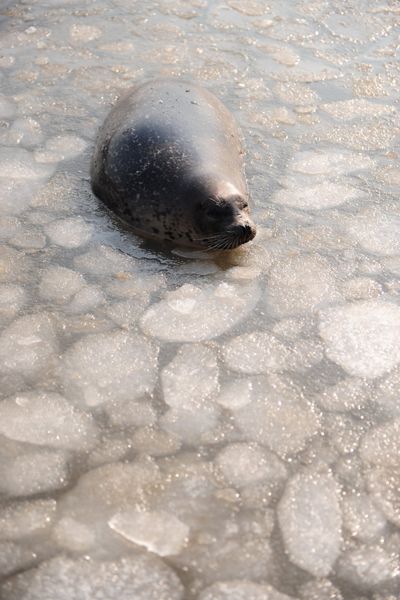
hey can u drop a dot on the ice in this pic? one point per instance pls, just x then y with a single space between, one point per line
25 132
245 464
381 445
329 163
256 352
376 232
32 240
160 532
277 417
72 232
310 521
235 394
316 197
73 536
33 473
18 163
320 589
46 419
12 299
16 194
84 33
104 260
129 413
193 314
142 577
109 366
14 557
126 313
362 337
295 93
384 485
154 442
241 590
386 395
25 519
191 422
346 395
61 147
7 107
87 298
367 566
361 518
356 108
301 284
191 377
58 284
27 346
361 288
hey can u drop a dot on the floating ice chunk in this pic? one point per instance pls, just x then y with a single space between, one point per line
128 413
7 107
61 147
384 486
9 226
139 577
301 284
105 366
386 395
316 197
320 589
277 418
361 288
33 473
32 240
189 423
381 445
26 132
84 33
236 394
104 260
364 136
363 337
73 536
13 264
46 419
329 163
347 395
241 590
12 299
160 532
59 284
14 557
295 93
154 442
191 377
16 194
367 566
126 313
86 299
24 519
356 108
69 233
27 345
376 232
193 314
361 518
245 464
112 447
17 163
255 352
310 521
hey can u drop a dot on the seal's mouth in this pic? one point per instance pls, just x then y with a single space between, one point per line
231 238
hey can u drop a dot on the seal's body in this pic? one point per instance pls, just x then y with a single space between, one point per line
168 161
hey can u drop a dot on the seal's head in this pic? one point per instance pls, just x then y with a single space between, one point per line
221 216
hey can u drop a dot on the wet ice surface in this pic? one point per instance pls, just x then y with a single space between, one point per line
174 425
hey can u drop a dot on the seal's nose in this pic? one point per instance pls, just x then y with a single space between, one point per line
247 232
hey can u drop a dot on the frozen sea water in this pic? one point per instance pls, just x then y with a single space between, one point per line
177 425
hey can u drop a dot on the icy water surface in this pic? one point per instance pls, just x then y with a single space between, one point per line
180 427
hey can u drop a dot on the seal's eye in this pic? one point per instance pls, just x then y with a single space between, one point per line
216 212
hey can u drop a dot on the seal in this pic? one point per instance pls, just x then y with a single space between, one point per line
169 162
